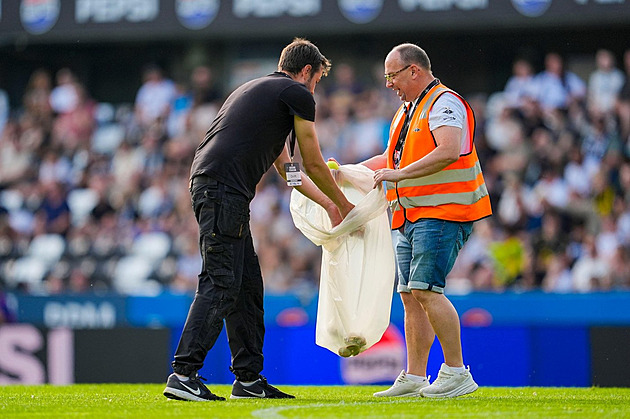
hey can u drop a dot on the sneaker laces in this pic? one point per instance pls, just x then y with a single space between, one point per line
264 382
198 378
401 379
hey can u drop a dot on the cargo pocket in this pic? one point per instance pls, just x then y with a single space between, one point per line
205 215
218 262
232 216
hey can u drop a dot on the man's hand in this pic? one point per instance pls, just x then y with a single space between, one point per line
391 175
332 164
316 168
334 215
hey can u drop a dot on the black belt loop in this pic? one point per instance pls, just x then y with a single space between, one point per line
202 180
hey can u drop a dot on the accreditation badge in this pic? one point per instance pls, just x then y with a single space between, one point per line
294 176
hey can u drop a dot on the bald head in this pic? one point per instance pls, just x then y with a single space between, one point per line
412 54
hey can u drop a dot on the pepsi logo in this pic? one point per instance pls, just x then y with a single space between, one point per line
531 8
39 16
360 11
196 14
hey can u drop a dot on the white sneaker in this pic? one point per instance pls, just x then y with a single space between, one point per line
403 387
450 384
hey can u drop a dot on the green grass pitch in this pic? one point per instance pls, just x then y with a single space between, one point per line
147 401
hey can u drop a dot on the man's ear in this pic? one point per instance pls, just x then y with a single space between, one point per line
306 71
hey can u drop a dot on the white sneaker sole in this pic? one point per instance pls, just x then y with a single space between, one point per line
459 391
413 394
173 393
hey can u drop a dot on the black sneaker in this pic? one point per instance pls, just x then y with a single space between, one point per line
260 389
192 390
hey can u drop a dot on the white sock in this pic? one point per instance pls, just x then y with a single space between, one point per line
181 377
247 384
458 370
416 378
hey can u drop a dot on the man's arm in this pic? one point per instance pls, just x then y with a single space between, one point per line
377 162
448 140
309 189
315 167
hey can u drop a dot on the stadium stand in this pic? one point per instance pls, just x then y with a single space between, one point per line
94 190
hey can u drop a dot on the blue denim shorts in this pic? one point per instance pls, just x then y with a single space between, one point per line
426 251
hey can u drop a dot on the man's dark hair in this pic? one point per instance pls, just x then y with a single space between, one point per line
413 54
300 53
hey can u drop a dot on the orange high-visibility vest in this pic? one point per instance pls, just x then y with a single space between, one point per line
456 193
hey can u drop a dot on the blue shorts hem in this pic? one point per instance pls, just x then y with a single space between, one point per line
417 285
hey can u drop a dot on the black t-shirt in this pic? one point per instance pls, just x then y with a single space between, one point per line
250 131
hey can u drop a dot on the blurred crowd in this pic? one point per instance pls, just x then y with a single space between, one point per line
94 196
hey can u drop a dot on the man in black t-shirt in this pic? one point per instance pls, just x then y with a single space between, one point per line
248 136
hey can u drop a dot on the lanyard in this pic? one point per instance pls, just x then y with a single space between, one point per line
402 136
292 144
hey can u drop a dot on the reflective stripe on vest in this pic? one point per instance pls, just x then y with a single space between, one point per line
456 193
444 176
431 97
461 198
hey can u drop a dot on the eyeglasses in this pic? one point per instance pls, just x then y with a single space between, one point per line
390 76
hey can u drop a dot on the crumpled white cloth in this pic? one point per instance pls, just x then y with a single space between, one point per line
358 267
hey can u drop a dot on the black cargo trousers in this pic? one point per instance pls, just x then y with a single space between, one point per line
230 286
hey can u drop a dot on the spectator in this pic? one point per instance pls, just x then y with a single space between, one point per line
590 271
126 167
79 280
178 118
155 96
36 98
511 209
603 194
344 81
370 130
510 259
557 277
505 132
604 85
556 87
54 212
54 167
619 272
520 87
598 141
16 160
576 175
623 103
551 190
607 241
547 243
74 126
203 89
475 261
64 97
